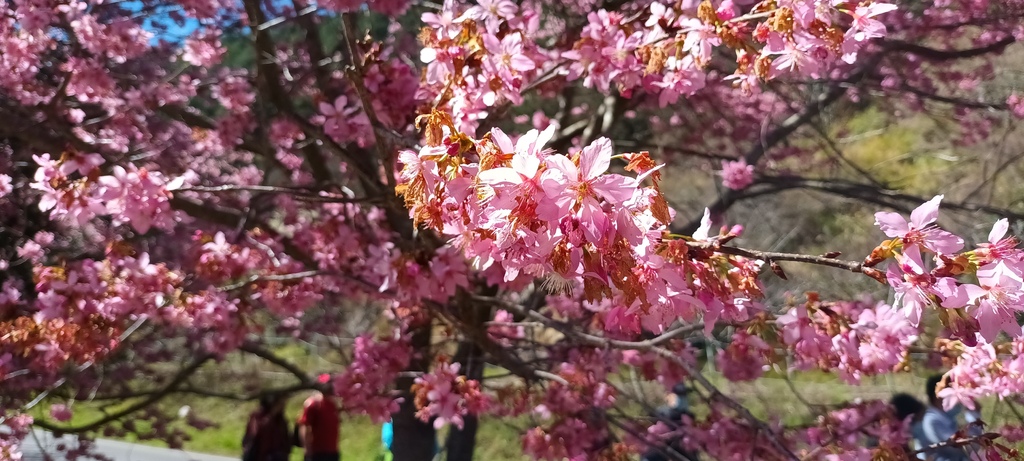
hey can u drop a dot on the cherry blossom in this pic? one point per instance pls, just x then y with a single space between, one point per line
744 358
576 188
737 175
996 300
447 397
919 231
5 185
60 412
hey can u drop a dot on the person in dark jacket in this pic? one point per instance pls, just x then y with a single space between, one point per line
677 406
266 435
906 406
938 426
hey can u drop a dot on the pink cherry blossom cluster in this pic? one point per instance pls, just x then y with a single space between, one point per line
221 263
652 367
608 53
393 85
131 196
745 358
737 175
854 431
1016 103
517 206
388 7
975 312
90 75
60 412
568 408
504 331
847 430
117 287
855 338
484 56
568 438
354 243
1012 433
6 186
344 123
98 294
446 396
439 280
363 385
19 426
727 438
983 371
663 51
801 38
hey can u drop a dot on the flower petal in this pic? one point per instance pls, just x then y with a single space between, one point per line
502 140
998 230
526 164
893 224
595 158
705 226
614 188
943 242
927 213
565 166
497 176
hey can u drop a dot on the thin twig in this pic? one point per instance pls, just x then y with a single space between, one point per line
769 256
270 278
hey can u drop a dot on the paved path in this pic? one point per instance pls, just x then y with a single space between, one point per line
116 451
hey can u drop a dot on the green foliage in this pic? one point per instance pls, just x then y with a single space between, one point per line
899 153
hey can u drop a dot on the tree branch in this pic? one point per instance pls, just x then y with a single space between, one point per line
728 197
876 195
178 380
270 74
269 356
946 55
772 256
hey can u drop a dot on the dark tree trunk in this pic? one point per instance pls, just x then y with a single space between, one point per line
462 442
414 440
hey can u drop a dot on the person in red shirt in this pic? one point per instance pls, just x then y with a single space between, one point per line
318 428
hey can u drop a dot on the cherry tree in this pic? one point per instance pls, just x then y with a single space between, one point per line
181 179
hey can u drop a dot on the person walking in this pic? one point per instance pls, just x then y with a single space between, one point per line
266 434
677 406
387 435
938 426
906 406
318 428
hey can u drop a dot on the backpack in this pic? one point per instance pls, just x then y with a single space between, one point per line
296 436
249 450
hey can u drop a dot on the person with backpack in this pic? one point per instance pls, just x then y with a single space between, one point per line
266 434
